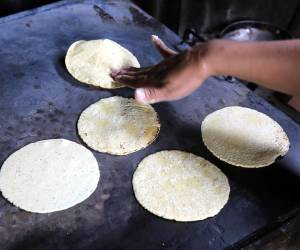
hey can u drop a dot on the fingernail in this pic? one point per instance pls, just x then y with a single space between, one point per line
140 95
154 38
114 72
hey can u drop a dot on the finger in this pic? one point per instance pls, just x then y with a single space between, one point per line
130 71
114 72
126 71
162 47
132 68
151 95
132 81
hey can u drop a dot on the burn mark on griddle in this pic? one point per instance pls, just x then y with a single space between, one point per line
38 239
53 120
221 102
19 75
28 24
58 112
103 14
126 20
67 123
36 86
61 69
207 108
40 111
139 18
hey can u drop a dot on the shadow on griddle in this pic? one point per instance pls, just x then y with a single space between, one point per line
272 188
61 69
38 239
125 92
178 133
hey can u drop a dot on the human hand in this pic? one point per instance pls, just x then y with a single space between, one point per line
173 78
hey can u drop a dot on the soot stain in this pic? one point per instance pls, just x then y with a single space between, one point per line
139 18
40 111
103 14
58 112
19 75
62 71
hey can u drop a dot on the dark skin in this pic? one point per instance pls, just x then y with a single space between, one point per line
271 64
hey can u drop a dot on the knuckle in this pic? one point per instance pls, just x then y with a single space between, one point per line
150 93
168 92
168 87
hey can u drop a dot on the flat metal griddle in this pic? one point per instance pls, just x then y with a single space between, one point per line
40 100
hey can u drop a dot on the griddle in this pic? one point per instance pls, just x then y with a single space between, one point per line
40 100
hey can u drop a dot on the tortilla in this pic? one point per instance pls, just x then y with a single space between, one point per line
49 175
244 137
92 62
118 125
180 186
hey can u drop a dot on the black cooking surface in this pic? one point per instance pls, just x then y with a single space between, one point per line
40 100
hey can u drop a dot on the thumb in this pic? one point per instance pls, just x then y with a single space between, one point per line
149 95
163 49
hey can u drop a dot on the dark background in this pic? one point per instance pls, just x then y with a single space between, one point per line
207 16
8 7
254 202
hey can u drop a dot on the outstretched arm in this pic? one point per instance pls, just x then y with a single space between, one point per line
275 65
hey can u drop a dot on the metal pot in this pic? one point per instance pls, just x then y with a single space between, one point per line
254 31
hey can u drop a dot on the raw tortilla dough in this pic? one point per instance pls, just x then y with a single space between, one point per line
49 175
118 125
244 137
180 186
92 61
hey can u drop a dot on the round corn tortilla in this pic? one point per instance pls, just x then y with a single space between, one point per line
49 175
92 62
244 137
180 186
118 125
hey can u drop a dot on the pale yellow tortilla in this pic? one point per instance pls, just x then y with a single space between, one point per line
118 125
92 62
244 137
180 186
48 176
